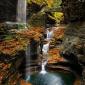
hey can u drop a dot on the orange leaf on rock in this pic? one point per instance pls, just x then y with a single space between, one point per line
54 56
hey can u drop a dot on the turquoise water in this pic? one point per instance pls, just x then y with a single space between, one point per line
52 78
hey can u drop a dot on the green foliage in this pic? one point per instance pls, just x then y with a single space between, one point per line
38 18
21 26
57 3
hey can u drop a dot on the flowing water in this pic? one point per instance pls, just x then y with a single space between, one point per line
27 74
21 11
45 77
43 71
49 34
49 78
45 48
45 56
21 14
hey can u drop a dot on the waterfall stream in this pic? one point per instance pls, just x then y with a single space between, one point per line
43 71
45 50
49 34
21 11
21 14
45 54
27 74
47 77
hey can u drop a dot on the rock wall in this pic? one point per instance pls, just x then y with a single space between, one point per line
73 10
8 10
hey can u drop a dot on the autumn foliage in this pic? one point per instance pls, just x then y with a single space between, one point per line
34 32
54 56
59 33
12 46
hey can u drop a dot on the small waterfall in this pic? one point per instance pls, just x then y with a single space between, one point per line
21 11
45 54
21 14
45 48
27 73
43 71
31 57
49 34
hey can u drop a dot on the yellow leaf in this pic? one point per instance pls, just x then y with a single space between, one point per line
50 3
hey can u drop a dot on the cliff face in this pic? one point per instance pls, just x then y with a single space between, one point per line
8 10
73 10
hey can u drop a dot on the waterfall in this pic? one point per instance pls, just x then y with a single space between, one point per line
45 54
46 48
49 34
27 73
21 14
31 57
21 11
43 71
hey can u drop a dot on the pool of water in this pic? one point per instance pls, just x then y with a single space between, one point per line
52 78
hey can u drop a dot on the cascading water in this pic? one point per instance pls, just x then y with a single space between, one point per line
45 50
45 54
21 11
27 73
49 34
43 71
31 57
21 14
47 77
